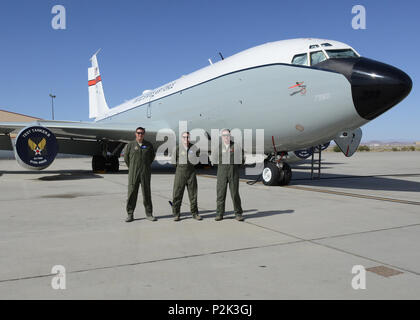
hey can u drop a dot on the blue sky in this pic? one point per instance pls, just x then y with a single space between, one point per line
148 43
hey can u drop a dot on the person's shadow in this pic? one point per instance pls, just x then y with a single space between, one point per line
184 215
208 214
260 214
255 214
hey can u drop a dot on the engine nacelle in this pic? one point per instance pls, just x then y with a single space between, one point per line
306 153
35 148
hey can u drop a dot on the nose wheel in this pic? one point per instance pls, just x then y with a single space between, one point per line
276 174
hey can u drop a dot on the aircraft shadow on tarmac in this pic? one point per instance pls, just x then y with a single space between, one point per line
302 176
57 175
385 182
377 182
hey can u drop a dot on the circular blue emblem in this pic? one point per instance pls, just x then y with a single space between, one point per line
36 147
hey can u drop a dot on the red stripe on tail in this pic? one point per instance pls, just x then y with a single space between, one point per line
94 81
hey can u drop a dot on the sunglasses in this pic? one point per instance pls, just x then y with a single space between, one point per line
139 132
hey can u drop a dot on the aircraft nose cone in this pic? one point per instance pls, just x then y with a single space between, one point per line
377 87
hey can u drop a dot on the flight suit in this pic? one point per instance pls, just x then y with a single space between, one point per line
228 173
139 160
185 175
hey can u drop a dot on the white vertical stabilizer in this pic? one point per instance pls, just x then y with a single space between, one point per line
97 102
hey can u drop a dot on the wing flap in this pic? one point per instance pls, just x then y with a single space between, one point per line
82 138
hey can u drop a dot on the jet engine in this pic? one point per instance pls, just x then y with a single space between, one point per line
35 148
306 153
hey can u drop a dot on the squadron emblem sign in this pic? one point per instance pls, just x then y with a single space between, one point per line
36 147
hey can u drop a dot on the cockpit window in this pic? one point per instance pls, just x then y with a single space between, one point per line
317 57
326 44
300 59
313 46
343 53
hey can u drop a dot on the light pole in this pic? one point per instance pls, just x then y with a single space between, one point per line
52 104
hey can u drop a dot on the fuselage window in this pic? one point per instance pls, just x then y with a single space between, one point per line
300 59
343 53
317 57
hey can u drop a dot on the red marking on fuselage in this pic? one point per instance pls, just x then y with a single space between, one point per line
296 85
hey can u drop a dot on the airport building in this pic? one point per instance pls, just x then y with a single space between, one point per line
7 116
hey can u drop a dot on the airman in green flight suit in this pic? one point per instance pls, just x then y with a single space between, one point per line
229 158
185 175
139 155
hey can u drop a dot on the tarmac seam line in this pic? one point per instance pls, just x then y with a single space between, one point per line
363 257
347 194
299 240
354 195
151 261
314 241
369 231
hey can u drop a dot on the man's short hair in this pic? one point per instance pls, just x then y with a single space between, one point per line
141 128
223 130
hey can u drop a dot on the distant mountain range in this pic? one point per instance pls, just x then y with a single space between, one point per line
390 142
387 143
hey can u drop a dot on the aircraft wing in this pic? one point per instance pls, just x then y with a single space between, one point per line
68 129
76 137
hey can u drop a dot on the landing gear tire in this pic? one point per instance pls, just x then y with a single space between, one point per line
101 164
270 174
112 164
285 175
98 163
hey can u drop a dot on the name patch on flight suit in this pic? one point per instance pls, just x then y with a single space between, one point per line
144 147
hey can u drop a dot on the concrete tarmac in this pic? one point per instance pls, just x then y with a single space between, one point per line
297 242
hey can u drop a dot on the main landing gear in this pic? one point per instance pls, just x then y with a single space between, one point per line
108 160
108 164
276 172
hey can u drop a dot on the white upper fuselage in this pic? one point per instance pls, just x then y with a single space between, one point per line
269 53
253 90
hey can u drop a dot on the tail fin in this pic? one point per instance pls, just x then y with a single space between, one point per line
97 102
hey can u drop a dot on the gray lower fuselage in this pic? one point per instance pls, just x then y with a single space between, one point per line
297 106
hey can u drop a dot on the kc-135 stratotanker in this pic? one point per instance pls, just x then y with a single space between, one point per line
302 92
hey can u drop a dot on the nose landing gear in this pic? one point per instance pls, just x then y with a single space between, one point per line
276 173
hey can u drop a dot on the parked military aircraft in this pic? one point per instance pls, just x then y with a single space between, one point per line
302 92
